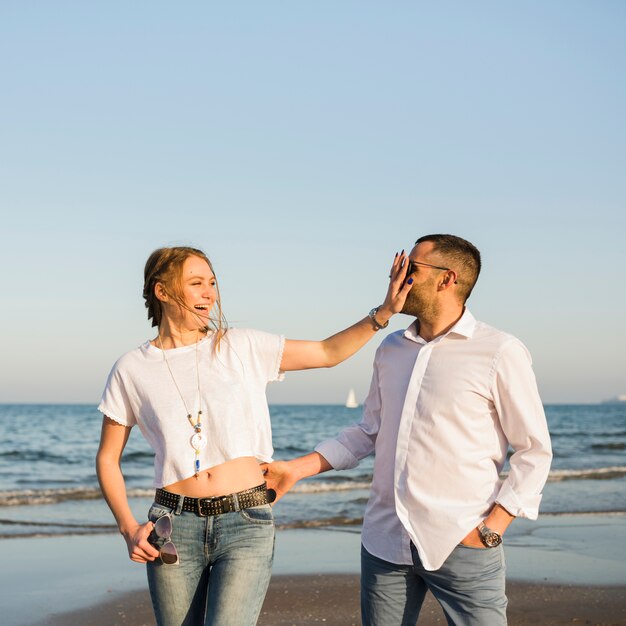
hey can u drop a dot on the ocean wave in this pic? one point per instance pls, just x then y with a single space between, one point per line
339 521
322 487
289 450
321 523
54 496
26 497
600 473
138 455
584 434
65 525
608 446
38 456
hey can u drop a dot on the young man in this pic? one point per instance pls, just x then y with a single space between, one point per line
449 396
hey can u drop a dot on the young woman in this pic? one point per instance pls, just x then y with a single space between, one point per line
197 393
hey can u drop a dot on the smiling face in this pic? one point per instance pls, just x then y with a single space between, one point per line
188 299
199 288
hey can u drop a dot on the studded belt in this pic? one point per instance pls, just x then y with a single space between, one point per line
217 504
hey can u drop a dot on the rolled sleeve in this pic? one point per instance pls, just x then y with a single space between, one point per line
523 422
337 454
357 440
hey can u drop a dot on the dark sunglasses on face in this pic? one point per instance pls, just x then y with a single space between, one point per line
163 530
414 265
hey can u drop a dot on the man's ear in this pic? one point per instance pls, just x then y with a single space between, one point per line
449 279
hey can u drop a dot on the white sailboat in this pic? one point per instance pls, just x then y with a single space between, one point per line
351 402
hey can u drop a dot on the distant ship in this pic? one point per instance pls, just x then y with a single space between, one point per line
621 398
351 402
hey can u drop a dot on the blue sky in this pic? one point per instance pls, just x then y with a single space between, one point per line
300 144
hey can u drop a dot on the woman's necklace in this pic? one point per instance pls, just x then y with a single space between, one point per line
198 441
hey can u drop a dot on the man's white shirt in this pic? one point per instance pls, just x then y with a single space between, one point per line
441 416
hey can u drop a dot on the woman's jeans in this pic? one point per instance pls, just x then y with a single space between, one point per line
224 569
469 586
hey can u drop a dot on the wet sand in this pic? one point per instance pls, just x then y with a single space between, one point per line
333 600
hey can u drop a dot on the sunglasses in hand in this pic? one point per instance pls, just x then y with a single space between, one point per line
163 531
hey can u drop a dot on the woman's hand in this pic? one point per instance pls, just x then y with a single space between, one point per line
398 289
140 549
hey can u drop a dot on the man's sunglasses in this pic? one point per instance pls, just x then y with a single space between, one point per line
163 530
413 265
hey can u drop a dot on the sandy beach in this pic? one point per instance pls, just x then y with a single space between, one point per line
561 570
333 600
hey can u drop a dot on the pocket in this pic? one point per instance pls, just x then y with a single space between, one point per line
462 545
261 514
470 559
158 510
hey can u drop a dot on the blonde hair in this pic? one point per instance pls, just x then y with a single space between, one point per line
165 266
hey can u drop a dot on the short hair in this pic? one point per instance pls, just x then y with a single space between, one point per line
461 256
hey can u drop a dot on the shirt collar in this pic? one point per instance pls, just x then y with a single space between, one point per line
464 327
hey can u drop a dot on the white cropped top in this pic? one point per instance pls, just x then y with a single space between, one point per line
235 415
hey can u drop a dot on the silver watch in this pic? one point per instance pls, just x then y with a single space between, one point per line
377 324
489 537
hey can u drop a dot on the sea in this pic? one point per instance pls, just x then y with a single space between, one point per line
48 484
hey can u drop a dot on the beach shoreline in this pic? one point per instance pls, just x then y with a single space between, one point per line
567 568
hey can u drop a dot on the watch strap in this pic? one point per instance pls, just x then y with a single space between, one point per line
377 325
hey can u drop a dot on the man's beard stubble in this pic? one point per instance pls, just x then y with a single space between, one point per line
418 306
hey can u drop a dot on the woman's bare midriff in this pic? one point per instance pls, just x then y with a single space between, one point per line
230 477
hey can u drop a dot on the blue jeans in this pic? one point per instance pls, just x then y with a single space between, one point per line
224 569
469 586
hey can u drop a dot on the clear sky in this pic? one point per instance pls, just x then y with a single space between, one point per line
300 144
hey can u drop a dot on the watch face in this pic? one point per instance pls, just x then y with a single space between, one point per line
489 537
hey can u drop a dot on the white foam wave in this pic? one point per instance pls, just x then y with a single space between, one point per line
322 487
600 473
52 496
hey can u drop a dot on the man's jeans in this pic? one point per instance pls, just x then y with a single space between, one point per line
224 570
469 586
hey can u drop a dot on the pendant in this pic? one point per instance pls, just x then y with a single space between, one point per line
198 442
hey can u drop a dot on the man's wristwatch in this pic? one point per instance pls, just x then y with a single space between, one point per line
377 324
489 537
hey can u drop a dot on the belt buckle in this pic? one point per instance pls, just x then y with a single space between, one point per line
227 504
199 503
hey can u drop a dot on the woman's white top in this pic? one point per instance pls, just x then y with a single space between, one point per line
235 415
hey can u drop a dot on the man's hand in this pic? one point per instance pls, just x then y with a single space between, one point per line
473 540
498 519
279 476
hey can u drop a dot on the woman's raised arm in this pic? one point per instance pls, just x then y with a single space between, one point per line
301 355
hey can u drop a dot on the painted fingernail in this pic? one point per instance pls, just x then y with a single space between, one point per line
402 251
410 281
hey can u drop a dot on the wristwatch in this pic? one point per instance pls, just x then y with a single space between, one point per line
489 537
377 324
